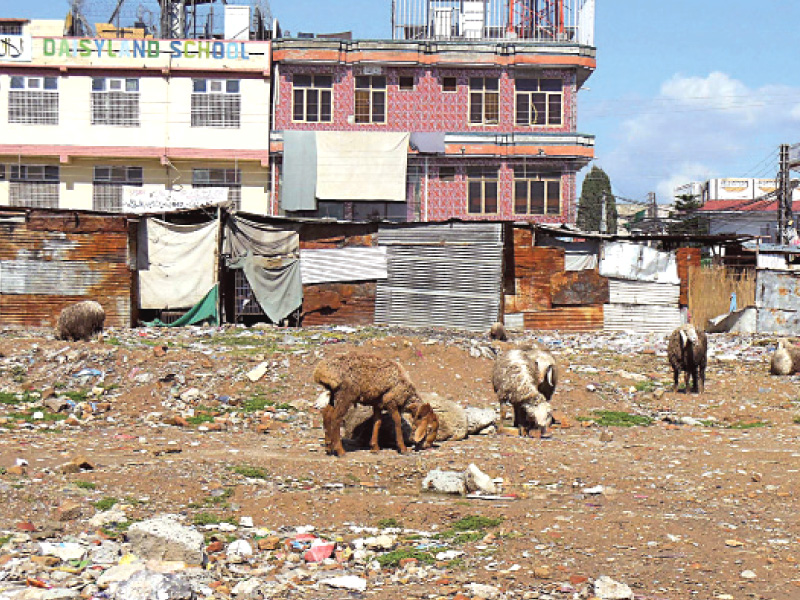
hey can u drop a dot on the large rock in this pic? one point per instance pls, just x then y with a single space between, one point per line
606 588
149 585
445 482
452 418
479 419
163 538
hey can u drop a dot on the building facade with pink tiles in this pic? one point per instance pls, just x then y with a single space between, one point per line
508 115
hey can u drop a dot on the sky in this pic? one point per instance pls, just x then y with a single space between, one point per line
685 90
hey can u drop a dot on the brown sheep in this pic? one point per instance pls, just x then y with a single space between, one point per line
361 378
80 321
786 359
526 378
686 350
498 332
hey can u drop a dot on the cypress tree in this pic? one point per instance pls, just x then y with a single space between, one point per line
596 186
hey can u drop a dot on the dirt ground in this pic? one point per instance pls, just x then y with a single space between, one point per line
702 502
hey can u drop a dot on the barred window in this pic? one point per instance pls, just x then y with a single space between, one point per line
371 99
34 186
539 101
11 28
536 193
108 186
227 178
312 98
115 102
484 100
482 190
33 100
216 103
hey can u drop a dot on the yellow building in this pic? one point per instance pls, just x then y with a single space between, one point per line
88 123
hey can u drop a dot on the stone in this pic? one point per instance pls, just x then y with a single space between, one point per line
56 404
17 470
445 482
68 511
239 551
542 572
119 573
64 550
163 538
272 542
748 574
107 553
452 418
247 588
347 582
606 436
108 517
476 480
480 590
146 585
606 588
479 419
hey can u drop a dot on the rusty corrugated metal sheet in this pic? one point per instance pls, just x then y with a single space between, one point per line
686 257
339 304
566 318
778 302
51 260
579 288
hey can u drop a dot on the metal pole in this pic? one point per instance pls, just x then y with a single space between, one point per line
785 217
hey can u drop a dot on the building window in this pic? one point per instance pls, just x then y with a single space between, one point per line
115 102
449 84
536 193
482 190
312 98
539 101
484 100
34 186
406 83
371 99
108 184
33 100
10 28
379 211
216 103
447 173
227 178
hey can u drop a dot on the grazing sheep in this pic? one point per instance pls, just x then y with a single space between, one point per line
383 385
686 351
785 360
80 321
498 332
526 378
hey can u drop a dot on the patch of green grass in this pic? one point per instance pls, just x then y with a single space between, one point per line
612 418
28 416
77 396
200 418
747 424
105 504
11 398
390 523
456 564
393 558
796 420
113 341
474 522
250 472
645 386
205 518
5 539
85 485
468 529
19 373
117 529
258 403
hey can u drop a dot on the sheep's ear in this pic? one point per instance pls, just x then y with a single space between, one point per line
682 335
549 375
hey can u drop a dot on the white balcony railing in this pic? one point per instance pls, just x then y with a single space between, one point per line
570 21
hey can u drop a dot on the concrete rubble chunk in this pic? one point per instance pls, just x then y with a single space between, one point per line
347 582
479 419
247 588
149 585
108 517
480 590
452 418
119 573
445 482
606 588
239 551
478 481
164 538
64 550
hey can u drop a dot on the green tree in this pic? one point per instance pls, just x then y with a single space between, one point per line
689 221
596 188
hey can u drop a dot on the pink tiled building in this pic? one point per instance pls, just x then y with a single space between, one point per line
492 86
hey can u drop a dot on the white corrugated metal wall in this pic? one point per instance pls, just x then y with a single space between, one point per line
442 275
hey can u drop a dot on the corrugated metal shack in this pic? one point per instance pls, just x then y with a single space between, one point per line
50 259
777 289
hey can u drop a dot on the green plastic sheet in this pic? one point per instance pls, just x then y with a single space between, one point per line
205 310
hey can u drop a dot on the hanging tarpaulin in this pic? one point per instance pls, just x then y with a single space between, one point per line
177 264
270 260
204 311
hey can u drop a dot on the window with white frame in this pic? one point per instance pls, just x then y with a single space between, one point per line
33 100
34 186
482 183
108 186
536 193
539 101
115 101
227 178
371 99
484 100
312 98
216 103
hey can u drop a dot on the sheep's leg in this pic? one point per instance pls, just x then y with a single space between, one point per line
675 377
327 414
398 430
342 400
520 420
702 379
376 427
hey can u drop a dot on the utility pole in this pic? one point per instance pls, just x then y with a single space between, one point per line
785 217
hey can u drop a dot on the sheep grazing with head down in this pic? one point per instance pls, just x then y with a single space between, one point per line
526 378
80 321
383 385
785 360
686 350
498 332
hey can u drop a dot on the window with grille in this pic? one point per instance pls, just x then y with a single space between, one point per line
539 101
227 178
33 100
216 103
482 190
10 28
484 100
312 98
371 99
34 186
536 193
115 102
108 186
